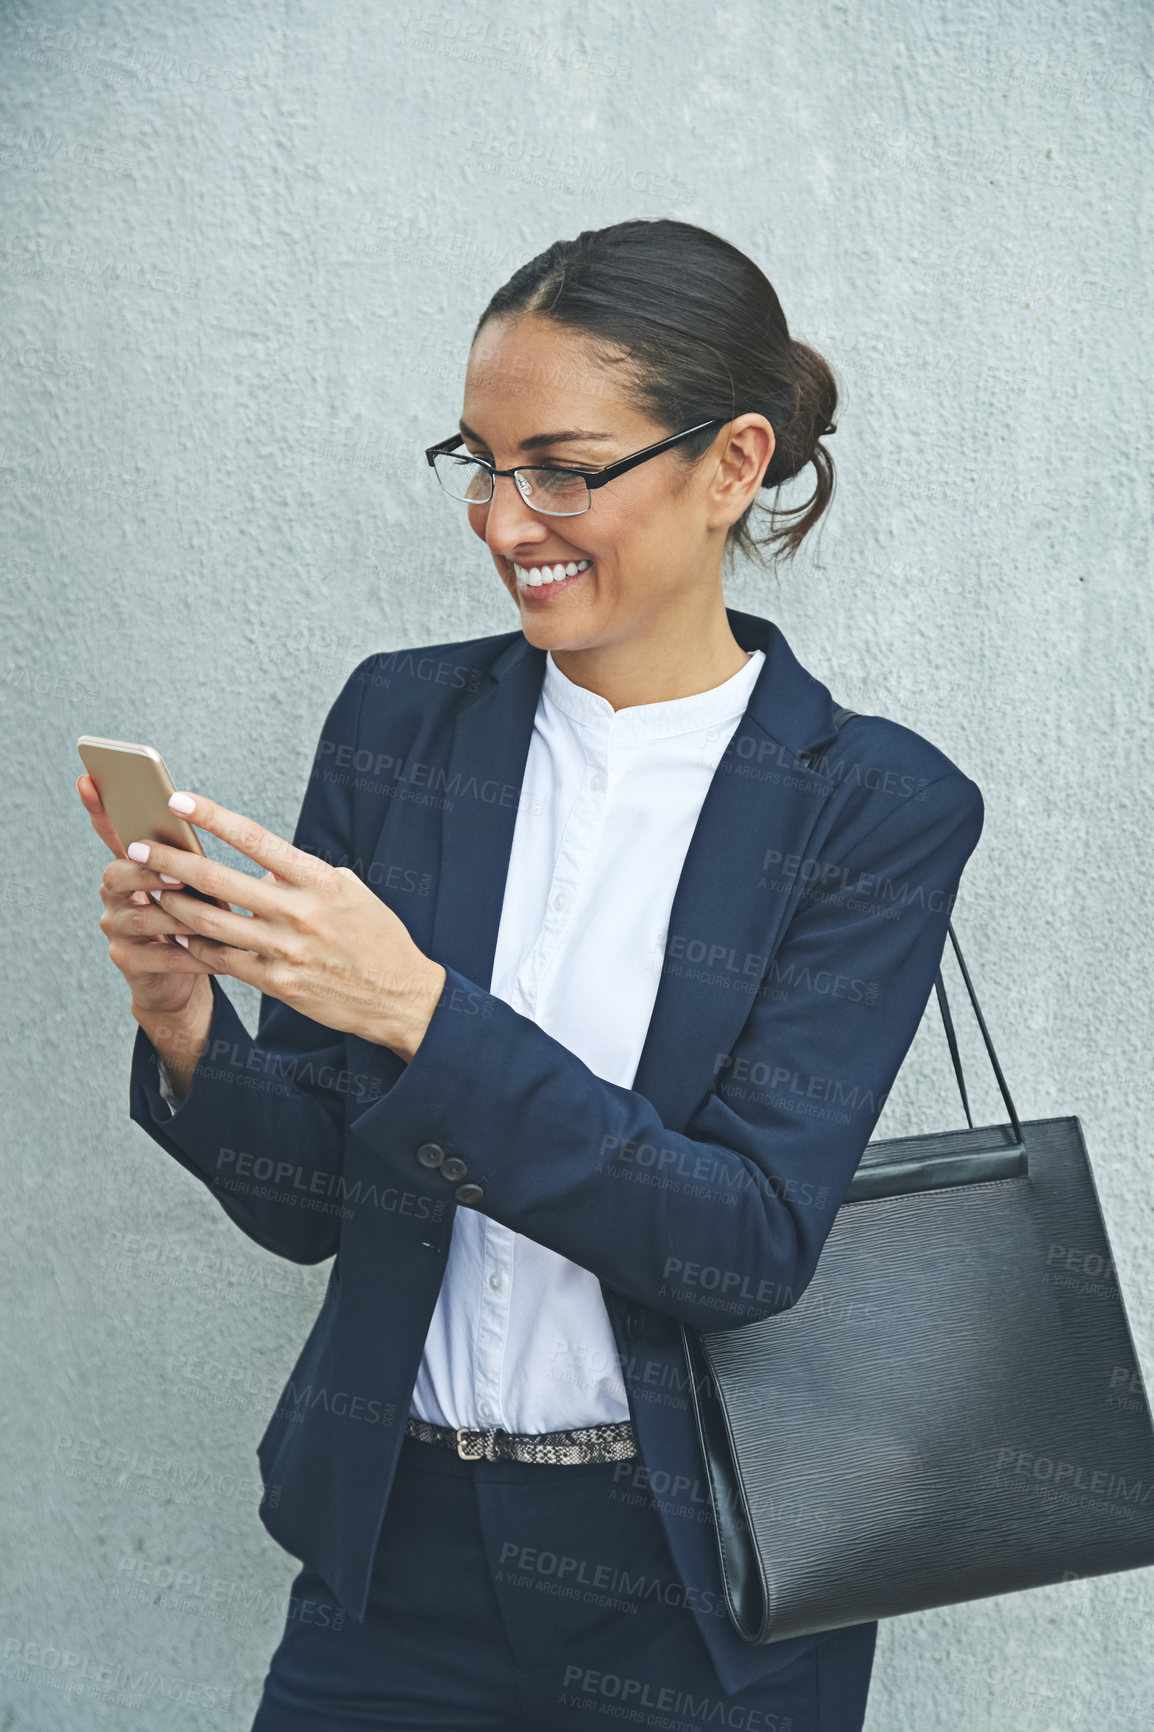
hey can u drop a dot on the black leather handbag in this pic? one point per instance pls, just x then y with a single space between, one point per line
952 1409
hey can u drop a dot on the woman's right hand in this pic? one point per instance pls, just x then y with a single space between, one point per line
163 978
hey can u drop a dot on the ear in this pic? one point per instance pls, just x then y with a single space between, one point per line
745 454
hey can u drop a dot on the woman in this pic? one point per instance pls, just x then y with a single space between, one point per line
584 979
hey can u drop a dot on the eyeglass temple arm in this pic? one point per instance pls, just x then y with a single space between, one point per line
599 478
445 445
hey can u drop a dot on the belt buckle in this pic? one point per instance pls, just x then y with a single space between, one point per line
463 1451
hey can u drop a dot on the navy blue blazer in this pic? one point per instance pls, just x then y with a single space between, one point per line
807 926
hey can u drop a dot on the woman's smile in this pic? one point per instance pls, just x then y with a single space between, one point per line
542 579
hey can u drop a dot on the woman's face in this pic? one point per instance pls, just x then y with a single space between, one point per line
653 537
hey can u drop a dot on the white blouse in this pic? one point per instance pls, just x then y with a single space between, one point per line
520 1336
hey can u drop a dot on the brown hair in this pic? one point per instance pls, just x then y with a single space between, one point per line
700 333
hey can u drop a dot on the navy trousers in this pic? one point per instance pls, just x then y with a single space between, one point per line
530 1598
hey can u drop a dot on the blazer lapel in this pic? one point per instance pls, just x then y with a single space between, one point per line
484 776
729 901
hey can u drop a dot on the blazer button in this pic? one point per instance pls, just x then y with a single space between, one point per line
430 1154
469 1194
636 1318
453 1169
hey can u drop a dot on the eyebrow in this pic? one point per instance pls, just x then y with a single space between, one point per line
538 441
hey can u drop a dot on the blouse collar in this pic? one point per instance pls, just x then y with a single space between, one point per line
698 711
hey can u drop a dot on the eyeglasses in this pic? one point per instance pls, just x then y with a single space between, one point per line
557 492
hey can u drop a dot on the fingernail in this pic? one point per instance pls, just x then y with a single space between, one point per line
180 939
170 880
138 851
155 894
182 803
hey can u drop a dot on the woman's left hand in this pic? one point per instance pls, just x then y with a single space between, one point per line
317 937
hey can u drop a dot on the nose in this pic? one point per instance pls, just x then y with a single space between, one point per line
508 521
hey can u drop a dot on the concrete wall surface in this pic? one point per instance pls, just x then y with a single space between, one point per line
242 251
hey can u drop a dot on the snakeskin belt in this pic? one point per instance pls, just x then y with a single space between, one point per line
614 1442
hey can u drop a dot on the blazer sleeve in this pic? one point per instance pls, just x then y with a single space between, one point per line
573 1161
278 1100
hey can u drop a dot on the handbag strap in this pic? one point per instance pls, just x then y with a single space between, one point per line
840 715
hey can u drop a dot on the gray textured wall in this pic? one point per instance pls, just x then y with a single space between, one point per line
241 253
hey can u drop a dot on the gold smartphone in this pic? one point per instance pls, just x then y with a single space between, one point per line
134 785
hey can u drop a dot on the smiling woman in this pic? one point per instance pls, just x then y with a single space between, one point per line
572 974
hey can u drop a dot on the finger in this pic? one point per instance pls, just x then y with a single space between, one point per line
291 865
118 906
122 877
262 895
228 959
98 816
142 919
164 957
209 921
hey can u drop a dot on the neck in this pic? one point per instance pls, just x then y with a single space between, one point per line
673 659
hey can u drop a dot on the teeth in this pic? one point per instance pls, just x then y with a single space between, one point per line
536 575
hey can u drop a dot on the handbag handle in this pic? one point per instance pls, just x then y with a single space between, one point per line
943 1005
840 715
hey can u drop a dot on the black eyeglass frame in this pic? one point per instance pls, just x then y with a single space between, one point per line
592 477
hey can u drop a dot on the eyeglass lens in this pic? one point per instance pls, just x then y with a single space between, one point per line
557 491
